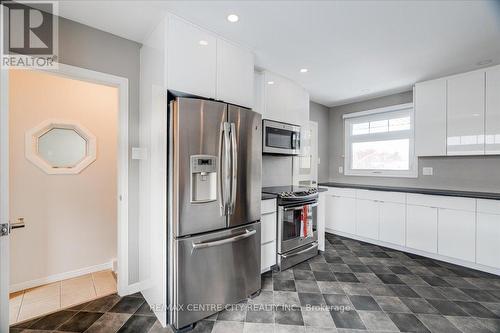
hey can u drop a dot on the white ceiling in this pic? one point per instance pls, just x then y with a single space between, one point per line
354 50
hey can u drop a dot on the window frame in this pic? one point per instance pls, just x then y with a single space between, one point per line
373 115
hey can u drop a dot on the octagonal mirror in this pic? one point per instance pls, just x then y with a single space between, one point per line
60 147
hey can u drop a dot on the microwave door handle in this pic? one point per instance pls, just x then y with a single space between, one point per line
234 168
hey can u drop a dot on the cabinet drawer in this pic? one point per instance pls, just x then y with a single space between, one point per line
488 206
342 192
267 256
439 201
268 226
268 206
395 197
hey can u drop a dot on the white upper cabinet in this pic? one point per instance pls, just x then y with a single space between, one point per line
235 74
465 122
430 118
285 101
492 130
191 59
202 64
459 115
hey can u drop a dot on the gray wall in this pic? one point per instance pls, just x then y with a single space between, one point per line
462 173
319 113
86 47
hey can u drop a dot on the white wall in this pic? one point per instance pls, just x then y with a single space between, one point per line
319 113
71 220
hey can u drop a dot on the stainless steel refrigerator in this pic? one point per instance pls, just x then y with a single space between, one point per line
214 183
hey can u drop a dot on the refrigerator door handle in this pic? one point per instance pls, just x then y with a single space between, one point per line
225 166
234 168
246 234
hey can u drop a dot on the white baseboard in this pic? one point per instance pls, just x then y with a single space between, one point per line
61 276
436 256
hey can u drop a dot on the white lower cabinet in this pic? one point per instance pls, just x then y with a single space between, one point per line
342 214
268 234
421 228
488 233
456 234
367 218
392 220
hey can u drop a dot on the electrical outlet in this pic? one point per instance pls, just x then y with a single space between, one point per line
427 171
341 169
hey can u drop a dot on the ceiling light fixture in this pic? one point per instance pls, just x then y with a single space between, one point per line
203 42
270 82
304 70
484 62
233 18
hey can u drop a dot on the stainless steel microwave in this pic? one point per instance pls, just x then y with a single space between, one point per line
280 138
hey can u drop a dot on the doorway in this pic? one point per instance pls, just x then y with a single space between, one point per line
68 176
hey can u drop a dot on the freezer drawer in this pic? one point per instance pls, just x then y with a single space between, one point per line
213 270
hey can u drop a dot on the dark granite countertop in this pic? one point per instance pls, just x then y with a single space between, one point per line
267 196
418 190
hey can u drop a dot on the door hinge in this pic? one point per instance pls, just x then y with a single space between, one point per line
4 229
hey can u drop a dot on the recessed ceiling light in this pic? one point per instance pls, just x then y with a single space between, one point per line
203 42
270 82
484 62
365 91
233 18
304 70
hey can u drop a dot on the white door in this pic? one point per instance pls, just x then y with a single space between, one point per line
421 232
492 116
367 218
305 167
4 201
457 234
465 114
341 214
392 222
430 118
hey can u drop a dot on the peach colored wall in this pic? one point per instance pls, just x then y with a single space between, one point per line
70 219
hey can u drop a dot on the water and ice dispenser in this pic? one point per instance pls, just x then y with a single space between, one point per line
203 178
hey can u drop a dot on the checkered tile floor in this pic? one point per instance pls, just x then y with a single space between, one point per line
352 287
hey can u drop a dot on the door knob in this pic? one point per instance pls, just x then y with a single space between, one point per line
19 224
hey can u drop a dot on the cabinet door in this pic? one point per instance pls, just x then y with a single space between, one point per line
235 74
457 230
191 59
488 239
367 218
392 222
268 227
341 214
465 119
430 118
492 120
267 256
421 228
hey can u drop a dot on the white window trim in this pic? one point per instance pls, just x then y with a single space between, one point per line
411 173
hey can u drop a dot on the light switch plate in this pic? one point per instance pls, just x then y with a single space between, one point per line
341 169
139 153
427 171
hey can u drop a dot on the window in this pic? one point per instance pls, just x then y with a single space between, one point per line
380 142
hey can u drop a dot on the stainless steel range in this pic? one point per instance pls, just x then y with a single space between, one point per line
297 238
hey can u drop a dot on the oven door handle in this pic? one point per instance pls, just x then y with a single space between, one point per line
286 209
313 245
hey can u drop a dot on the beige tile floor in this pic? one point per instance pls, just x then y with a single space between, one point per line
34 302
